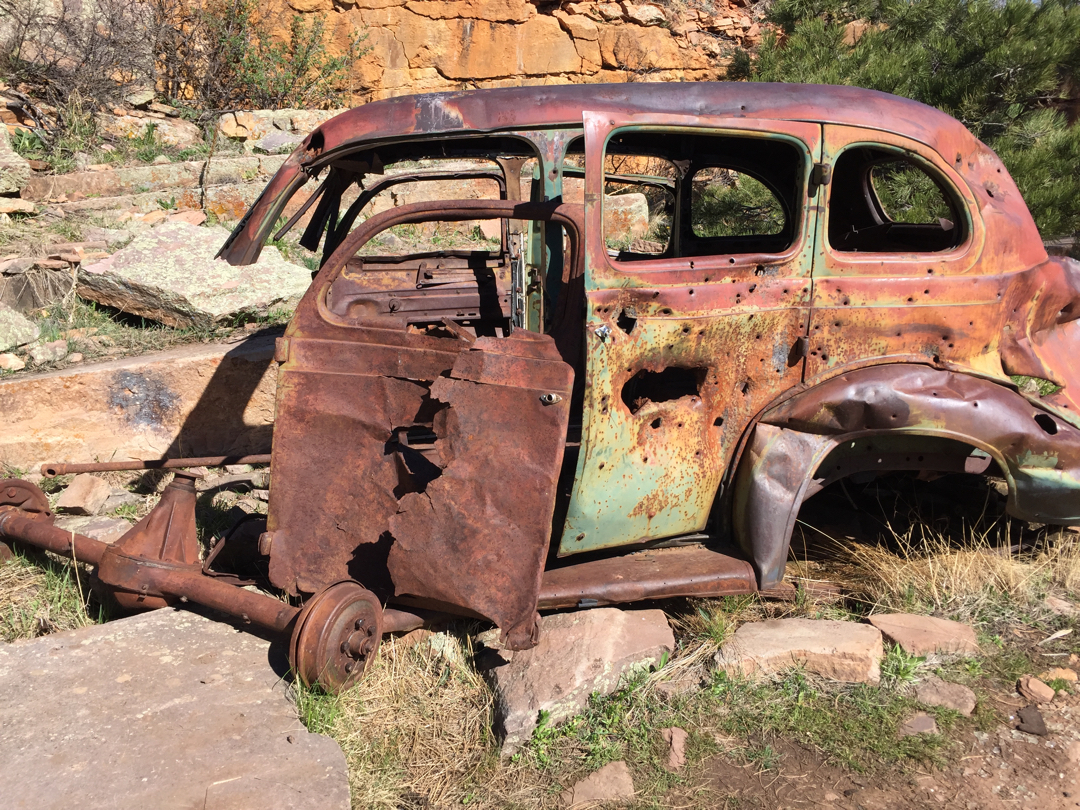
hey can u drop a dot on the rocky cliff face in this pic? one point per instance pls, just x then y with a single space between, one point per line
416 46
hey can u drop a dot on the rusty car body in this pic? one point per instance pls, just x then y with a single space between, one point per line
558 421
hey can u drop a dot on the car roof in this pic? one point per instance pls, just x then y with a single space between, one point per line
534 107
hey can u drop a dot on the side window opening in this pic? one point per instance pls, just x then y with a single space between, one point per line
700 195
725 202
883 202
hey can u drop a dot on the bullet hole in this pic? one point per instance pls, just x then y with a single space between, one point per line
1046 422
626 322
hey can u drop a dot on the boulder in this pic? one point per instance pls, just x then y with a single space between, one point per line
105 529
645 15
277 143
16 205
169 274
169 131
15 329
840 651
612 784
626 216
578 654
11 362
14 169
933 691
85 495
219 397
52 352
926 635
164 709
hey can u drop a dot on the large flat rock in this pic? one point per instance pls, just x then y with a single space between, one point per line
169 274
841 651
926 635
200 400
15 329
163 710
578 654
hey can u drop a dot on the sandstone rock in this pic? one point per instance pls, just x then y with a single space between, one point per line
644 15
188 217
489 10
1033 689
626 216
112 237
854 30
170 274
52 352
840 651
919 723
165 709
120 497
925 635
578 25
161 160
220 397
255 124
578 654
1062 607
85 495
14 169
15 329
278 143
105 529
37 288
610 11
631 47
139 96
676 742
1058 673
16 266
169 131
11 362
15 205
610 784
933 691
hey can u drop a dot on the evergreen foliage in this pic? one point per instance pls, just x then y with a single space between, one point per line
1005 68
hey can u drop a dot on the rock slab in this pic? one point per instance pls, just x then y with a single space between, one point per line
1033 689
933 691
169 274
675 738
85 495
14 169
609 785
166 709
105 529
841 651
926 635
15 329
218 397
578 654
920 723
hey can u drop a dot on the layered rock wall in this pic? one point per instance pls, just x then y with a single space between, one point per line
415 46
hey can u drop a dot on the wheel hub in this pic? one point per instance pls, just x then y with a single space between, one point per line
336 636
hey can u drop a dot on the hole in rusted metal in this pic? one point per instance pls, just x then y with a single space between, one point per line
1046 422
655 423
626 322
662 386
718 421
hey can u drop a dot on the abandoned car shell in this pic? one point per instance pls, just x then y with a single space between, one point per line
498 430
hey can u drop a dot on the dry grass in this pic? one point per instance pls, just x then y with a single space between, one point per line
43 595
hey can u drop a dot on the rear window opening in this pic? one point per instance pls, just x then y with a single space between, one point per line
884 202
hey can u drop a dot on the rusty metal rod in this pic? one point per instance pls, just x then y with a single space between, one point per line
18 525
53 470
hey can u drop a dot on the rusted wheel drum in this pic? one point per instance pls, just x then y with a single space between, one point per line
27 497
336 637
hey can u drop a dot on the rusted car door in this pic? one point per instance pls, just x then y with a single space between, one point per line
928 296
705 341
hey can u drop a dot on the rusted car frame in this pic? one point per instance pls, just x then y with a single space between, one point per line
560 421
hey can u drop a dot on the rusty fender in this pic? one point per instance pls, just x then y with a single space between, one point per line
899 417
